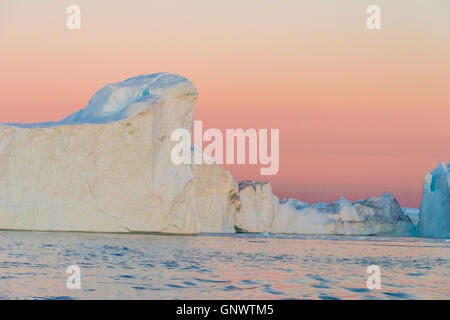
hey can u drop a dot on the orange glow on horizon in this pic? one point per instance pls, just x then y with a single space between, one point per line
360 112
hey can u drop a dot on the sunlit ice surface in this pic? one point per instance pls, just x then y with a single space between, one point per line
142 266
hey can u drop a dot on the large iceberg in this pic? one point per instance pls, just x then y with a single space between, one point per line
434 216
107 167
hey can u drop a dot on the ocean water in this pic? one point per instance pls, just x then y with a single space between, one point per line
138 266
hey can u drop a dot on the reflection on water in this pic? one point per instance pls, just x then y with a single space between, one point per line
131 266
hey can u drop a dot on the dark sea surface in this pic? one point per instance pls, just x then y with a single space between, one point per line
136 266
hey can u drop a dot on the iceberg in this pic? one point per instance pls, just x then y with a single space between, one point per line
107 167
434 216
261 212
380 216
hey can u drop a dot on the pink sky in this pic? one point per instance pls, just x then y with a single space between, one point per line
360 112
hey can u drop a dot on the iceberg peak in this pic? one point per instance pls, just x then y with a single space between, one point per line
121 100
125 99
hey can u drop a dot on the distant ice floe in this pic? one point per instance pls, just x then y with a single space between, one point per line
262 212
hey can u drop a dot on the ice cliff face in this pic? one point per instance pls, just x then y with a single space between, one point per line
434 216
258 205
107 167
261 212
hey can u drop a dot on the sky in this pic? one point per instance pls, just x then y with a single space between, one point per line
360 112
